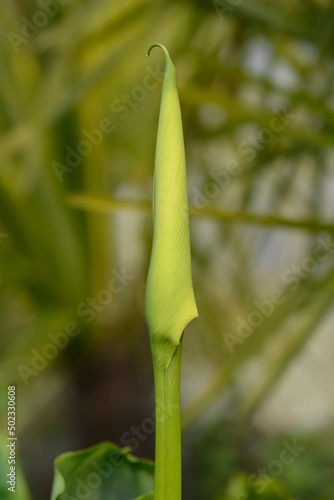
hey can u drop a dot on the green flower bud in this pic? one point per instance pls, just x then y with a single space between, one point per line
170 303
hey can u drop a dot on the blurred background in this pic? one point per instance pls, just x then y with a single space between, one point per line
78 115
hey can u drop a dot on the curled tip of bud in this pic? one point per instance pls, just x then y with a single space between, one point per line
161 47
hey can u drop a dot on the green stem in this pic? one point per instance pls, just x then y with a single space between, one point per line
167 478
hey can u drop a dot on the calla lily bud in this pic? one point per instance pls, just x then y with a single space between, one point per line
169 304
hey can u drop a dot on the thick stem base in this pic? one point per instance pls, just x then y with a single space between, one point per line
167 479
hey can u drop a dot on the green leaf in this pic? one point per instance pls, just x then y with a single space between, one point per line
100 472
170 303
147 496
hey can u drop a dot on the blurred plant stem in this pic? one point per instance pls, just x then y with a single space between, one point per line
90 203
278 349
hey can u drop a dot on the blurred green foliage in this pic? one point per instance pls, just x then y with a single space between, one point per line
78 115
100 472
